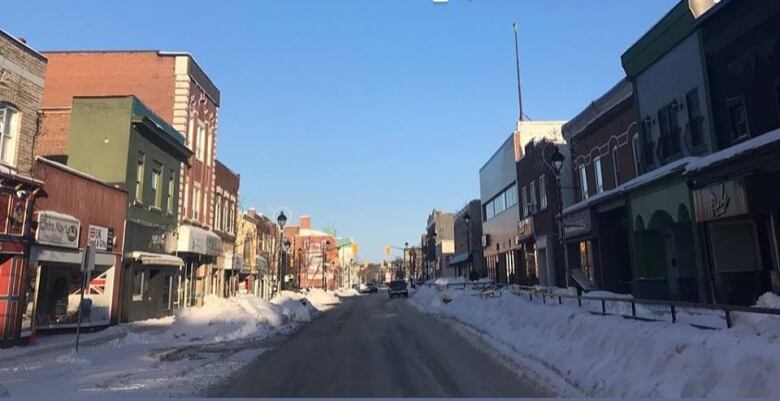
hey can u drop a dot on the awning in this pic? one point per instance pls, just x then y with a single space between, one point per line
459 258
157 259
197 240
40 253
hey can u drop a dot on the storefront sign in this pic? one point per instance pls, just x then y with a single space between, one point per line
525 228
102 238
147 239
721 200
57 229
577 224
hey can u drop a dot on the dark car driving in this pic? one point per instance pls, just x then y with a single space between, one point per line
397 288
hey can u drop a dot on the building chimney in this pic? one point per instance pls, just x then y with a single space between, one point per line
306 222
21 39
252 212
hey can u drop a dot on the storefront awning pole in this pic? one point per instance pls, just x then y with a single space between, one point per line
88 264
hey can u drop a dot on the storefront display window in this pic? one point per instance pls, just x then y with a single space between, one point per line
734 246
60 293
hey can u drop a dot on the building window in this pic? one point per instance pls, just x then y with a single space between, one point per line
598 174
695 119
9 121
218 212
500 204
532 197
511 196
196 203
524 198
616 165
542 193
171 189
200 145
583 182
738 123
635 152
156 180
670 131
139 177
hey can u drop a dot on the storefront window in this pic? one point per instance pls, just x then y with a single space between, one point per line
59 295
734 246
138 285
586 259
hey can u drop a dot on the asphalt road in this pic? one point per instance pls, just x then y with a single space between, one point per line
371 346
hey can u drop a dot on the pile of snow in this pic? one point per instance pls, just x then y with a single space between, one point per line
226 319
576 353
347 292
765 325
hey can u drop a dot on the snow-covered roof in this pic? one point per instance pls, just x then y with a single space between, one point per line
732 152
308 232
644 179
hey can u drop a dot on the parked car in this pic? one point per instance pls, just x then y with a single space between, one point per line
397 288
367 288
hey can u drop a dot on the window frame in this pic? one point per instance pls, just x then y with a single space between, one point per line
171 191
616 164
695 117
598 174
524 197
583 174
542 192
154 184
200 141
140 173
532 197
196 203
10 122
635 151
737 100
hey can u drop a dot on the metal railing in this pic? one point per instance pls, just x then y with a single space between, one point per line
654 310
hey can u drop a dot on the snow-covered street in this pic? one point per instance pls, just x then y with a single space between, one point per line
175 356
573 352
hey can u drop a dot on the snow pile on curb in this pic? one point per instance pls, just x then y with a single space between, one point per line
576 353
221 319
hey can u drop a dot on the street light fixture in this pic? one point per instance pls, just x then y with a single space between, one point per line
281 221
324 264
556 160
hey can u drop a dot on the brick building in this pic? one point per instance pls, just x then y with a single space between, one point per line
174 87
223 277
604 142
467 258
313 253
21 86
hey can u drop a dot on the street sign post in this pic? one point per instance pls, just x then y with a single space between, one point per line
87 267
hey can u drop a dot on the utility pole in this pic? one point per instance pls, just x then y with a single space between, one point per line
517 67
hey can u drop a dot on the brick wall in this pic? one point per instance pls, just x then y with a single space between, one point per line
147 75
52 137
21 86
615 127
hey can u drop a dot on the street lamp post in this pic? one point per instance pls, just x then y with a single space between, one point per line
467 219
404 262
435 255
556 161
281 220
325 264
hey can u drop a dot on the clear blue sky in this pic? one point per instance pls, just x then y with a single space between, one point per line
364 114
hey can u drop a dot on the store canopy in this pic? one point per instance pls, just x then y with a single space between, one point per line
157 259
197 240
459 258
583 281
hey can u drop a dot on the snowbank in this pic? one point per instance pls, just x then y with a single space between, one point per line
174 356
576 353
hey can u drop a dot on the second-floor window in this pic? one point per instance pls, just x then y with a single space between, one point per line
598 174
542 193
669 128
218 213
635 152
738 123
155 185
139 177
695 119
196 203
583 182
532 196
616 165
171 189
9 121
524 198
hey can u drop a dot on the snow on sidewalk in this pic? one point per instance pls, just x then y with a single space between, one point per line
175 356
576 353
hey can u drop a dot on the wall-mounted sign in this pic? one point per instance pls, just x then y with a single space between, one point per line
721 200
57 229
525 228
102 238
485 240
